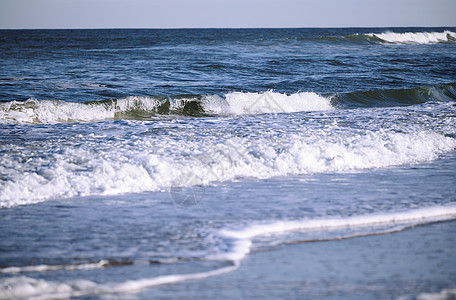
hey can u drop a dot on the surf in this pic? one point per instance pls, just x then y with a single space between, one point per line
162 162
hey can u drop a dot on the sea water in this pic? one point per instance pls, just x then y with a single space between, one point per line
131 159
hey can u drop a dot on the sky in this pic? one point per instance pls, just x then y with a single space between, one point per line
40 14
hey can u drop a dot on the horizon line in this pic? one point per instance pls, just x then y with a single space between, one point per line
235 28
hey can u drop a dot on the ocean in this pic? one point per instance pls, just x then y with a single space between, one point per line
163 163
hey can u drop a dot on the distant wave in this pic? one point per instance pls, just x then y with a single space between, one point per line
390 37
415 37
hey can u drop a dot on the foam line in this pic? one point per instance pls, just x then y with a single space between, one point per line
418 215
44 268
242 238
146 283
37 289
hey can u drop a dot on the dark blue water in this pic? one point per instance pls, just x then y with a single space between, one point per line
131 159
94 65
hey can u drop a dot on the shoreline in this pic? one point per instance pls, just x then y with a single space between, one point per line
403 265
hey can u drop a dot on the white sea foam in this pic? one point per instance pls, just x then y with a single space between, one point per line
77 172
268 102
416 37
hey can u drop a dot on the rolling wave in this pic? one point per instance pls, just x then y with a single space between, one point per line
236 103
395 97
389 37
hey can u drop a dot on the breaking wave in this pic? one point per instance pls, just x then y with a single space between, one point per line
139 108
236 103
